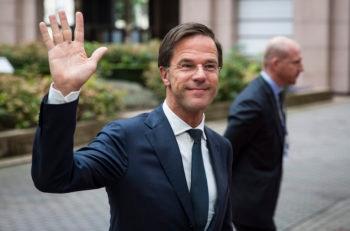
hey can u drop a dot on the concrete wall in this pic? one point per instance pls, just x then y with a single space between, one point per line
340 46
311 30
18 21
322 28
215 14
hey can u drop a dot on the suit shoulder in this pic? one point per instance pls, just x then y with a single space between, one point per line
254 93
130 123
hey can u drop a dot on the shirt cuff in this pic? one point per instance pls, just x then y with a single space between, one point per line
56 97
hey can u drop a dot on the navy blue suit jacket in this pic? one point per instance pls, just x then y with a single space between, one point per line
137 160
257 136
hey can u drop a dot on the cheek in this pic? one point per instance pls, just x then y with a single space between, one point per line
179 80
215 82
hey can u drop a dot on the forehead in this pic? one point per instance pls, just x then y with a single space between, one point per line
198 48
294 52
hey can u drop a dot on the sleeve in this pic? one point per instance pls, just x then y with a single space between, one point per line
57 168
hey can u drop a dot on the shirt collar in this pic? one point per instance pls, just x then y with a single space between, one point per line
275 88
177 124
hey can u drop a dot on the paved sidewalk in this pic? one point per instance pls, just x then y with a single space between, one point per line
315 192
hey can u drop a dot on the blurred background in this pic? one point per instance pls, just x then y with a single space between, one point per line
315 193
322 27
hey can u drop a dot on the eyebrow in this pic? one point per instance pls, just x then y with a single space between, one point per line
185 60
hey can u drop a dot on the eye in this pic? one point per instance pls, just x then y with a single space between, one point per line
211 67
186 66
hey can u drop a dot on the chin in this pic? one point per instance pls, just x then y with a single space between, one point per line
199 105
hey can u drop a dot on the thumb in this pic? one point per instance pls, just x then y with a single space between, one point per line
98 53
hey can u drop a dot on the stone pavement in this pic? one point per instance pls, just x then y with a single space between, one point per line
315 192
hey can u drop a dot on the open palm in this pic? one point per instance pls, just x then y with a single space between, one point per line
69 65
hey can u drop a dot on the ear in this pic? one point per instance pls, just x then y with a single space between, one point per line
274 63
164 73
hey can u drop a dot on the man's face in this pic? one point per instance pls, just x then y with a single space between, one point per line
192 77
290 67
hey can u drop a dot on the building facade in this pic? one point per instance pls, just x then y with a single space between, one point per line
19 20
322 27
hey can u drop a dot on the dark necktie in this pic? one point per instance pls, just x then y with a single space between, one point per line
281 97
199 187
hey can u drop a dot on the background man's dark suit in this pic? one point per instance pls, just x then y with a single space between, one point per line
255 131
145 183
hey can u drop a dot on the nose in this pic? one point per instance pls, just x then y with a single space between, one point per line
199 71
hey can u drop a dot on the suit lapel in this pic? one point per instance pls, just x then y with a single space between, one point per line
164 142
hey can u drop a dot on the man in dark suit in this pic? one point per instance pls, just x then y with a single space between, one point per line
258 134
145 163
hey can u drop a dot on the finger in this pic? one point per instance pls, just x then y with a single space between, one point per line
79 27
66 31
56 33
46 36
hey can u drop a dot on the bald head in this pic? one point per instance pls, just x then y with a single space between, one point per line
283 60
278 47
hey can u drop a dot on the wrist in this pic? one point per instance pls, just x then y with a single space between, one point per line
57 97
64 90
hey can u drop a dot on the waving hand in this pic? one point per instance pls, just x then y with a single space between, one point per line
69 65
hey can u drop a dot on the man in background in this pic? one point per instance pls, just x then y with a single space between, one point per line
258 134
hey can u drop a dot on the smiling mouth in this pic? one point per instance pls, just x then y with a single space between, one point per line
198 90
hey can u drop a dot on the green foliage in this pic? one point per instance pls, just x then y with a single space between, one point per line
127 61
20 100
99 101
27 59
238 69
21 93
154 81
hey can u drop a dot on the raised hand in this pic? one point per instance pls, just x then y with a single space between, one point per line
69 65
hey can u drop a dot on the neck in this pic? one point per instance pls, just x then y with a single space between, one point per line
274 77
191 117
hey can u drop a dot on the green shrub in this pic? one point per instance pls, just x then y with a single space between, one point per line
27 59
238 70
22 92
125 61
99 101
154 81
20 100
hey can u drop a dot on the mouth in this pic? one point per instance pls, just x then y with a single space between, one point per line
198 91
198 88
